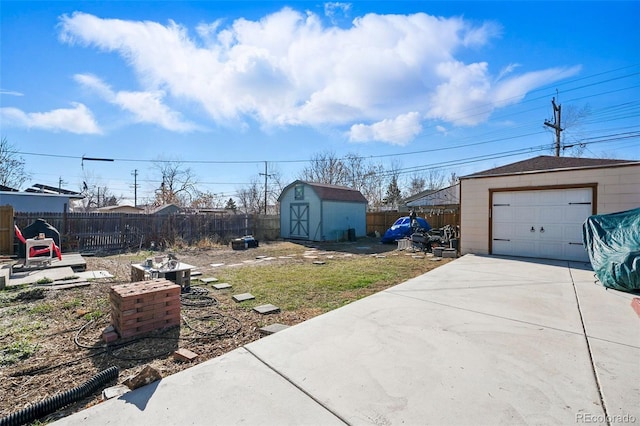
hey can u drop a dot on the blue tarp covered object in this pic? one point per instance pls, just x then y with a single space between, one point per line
613 243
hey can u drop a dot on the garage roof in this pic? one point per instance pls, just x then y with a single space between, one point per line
545 163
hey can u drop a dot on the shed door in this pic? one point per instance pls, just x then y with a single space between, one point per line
299 220
542 223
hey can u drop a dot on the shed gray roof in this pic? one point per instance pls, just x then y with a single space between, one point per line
330 192
549 163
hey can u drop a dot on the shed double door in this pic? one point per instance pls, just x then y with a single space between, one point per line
541 223
299 220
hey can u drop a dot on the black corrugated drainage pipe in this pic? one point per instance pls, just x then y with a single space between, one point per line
61 400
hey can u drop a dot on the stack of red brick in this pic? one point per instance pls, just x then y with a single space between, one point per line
140 307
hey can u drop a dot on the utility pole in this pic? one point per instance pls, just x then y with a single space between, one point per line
265 186
135 188
556 124
60 182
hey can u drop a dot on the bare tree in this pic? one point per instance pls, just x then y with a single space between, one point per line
276 185
95 194
251 198
366 177
12 172
178 183
435 179
453 179
417 184
351 171
325 168
571 134
207 199
573 119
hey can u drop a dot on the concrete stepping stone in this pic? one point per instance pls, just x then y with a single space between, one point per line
243 297
87 275
319 262
266 309
273 328
209 280
221 286
215 265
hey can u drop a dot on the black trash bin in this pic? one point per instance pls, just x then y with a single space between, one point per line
351 234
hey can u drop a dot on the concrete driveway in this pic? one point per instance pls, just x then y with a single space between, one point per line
478 341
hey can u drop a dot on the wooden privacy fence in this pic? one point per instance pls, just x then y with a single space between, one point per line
437 217
117 231
6 230
105 232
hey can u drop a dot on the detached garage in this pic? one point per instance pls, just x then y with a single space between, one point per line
536 207
320 212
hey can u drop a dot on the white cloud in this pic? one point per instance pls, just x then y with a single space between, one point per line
331 9
468 97
398 131
288 68
146 107
77 120
507 70
10 93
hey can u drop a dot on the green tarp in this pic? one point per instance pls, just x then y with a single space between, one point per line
613 243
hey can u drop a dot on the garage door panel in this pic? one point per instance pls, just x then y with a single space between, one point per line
575 251
524 232
577 212
549 214
502 213
524 214
560 213
504 231
553 198
583 195
551 232
572 233
524 247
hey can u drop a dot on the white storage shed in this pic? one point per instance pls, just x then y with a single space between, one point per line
320 212
536 207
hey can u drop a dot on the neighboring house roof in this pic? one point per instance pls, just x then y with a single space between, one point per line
126 208
546 163
444 196
166 209
330 192
46 189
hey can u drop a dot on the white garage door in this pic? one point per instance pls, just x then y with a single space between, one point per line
544 223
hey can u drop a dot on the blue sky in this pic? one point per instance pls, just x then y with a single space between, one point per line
223 86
